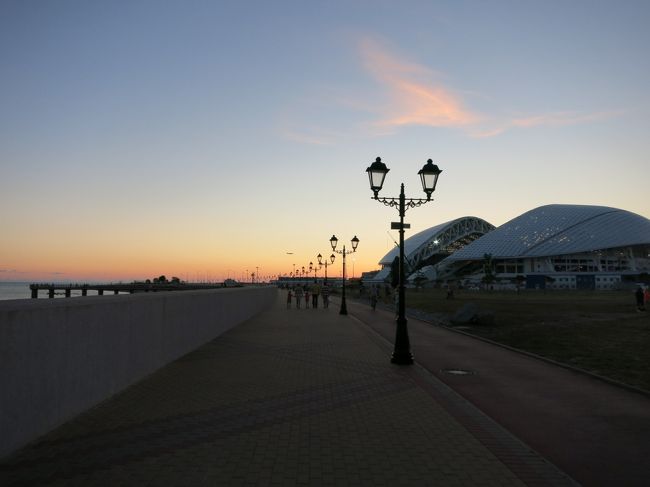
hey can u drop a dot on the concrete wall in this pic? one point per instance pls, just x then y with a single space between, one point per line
58 357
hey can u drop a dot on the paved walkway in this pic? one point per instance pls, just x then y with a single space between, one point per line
597 432
291 397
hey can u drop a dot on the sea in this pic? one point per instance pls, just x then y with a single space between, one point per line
20 290
14 290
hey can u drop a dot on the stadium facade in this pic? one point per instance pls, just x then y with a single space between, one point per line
556 246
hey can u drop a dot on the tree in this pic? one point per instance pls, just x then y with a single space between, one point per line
519 279
419 280
394 273
488 269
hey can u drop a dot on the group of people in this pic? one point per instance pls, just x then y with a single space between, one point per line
642 298
297 292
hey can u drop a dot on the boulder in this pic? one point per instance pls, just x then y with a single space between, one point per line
469 314
465 314
485 318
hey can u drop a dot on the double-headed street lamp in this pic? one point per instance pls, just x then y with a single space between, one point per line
325 263
429 177
355 243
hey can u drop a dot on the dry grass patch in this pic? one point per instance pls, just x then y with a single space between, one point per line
597 331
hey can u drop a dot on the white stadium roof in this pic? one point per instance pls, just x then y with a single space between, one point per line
440 239
559 229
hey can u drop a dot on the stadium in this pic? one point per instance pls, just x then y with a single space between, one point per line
554 246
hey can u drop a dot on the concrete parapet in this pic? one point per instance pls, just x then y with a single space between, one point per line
60 357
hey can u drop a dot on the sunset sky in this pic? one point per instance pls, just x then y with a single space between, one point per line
205 139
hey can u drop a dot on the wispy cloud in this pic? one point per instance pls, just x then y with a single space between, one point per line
562 118
413 96
557 119
406 93
306 138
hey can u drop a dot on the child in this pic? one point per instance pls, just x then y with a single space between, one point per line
289 299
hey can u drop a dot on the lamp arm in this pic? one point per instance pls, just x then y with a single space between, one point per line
345 252
408 202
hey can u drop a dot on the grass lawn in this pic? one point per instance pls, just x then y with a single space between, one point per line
597 331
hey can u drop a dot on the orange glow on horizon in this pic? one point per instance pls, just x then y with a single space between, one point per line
115 268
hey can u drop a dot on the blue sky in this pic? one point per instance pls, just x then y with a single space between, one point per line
206 138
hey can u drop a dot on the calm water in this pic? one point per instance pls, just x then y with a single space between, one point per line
20 290
14 290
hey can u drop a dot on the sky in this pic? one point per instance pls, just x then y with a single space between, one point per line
215 139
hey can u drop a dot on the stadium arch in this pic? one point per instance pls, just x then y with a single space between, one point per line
429 247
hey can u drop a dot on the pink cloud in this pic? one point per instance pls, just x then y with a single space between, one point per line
413 95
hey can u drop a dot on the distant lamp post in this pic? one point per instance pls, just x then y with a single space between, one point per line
314 268
429 177
325 263
355 243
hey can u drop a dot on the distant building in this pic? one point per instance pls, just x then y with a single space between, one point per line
555 246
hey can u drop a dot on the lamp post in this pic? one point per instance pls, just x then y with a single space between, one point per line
429 177
314 268
355 243
325 263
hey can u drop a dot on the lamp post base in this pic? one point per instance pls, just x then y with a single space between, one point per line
402 358
402 352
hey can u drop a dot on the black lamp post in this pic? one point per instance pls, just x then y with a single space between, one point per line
429 176
314 268
325 263
355 243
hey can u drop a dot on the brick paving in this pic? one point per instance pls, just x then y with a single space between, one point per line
290 397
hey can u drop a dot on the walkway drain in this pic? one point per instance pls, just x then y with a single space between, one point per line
458 372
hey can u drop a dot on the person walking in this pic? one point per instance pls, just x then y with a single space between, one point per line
299 294
640 299
306 297
326 296
315 291
289 299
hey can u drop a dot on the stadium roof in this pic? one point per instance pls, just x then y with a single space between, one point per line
560 229
441 239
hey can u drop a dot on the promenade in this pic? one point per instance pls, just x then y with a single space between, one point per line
304 397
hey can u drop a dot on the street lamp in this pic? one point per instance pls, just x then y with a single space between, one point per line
355 243
325 263
429 177
314 268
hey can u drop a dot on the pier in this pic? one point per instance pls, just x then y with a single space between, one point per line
130 288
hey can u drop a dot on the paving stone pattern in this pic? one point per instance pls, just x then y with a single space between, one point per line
290 397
